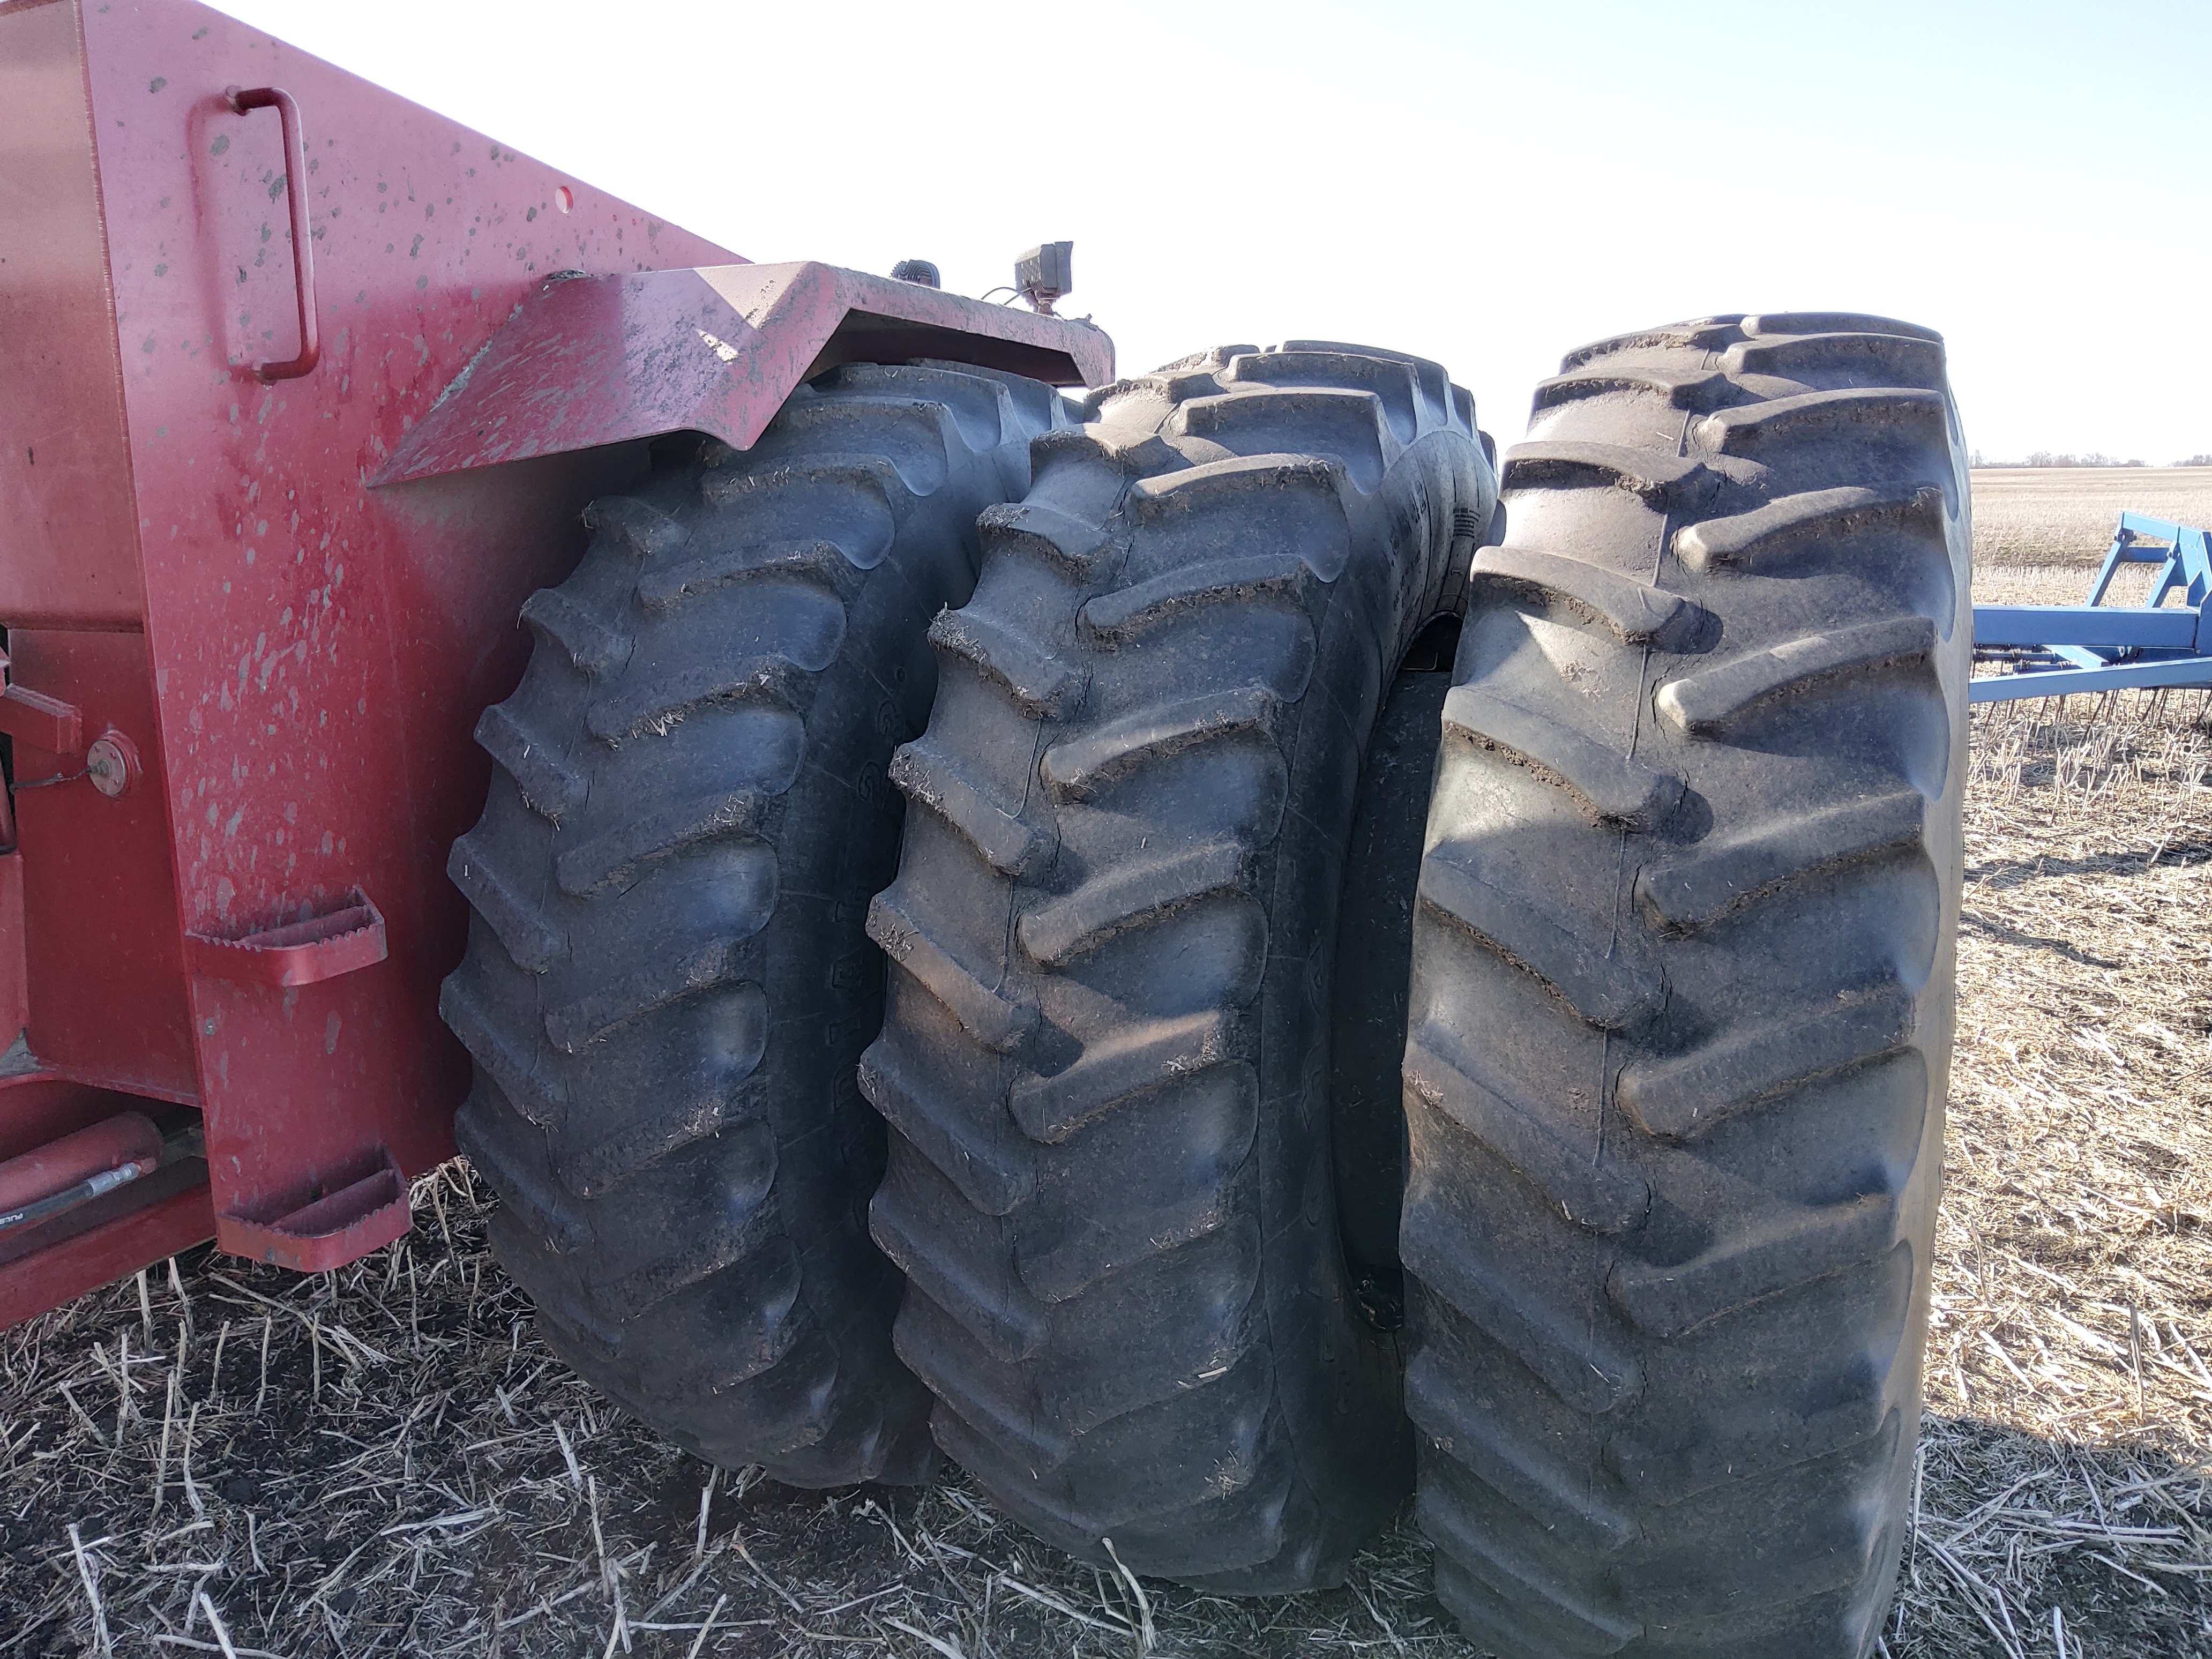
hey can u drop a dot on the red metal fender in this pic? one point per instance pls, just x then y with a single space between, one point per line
586 361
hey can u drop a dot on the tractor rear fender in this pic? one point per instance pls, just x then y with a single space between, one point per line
584 362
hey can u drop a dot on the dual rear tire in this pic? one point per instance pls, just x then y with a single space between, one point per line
1680 997
667 986
1105 1054
1668 967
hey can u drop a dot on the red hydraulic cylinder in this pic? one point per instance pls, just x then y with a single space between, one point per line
77 1168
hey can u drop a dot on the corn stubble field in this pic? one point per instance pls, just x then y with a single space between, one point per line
226 1459
2065 514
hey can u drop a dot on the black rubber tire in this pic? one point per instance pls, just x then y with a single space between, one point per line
1682 1001
667 983
1105 1062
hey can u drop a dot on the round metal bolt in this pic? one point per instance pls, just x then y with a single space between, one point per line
111 763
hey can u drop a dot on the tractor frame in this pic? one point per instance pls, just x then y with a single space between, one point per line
307 388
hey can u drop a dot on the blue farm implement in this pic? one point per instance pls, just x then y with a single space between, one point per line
2055 650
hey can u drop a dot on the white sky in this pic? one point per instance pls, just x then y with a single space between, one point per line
1485 184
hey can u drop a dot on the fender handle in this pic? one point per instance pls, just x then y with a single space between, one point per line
242 99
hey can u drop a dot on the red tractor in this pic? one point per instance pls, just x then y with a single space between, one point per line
1196 946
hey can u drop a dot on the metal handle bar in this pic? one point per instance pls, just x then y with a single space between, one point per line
243 99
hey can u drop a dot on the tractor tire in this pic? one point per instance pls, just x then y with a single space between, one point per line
1681 1004
1105 1056
667 984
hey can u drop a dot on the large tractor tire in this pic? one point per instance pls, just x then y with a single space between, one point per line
667 983
1682 997
1105 1059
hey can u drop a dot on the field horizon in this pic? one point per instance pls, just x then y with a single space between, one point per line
2035 515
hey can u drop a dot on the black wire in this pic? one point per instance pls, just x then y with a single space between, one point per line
69 1198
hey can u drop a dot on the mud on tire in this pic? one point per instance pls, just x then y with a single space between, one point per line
667 983
1682 1000
1105 1054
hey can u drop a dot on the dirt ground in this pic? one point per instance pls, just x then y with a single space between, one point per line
224 1458
2065 514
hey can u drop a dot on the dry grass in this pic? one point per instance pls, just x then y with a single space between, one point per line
2065 514
2070 1400
385 1460
225 1458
